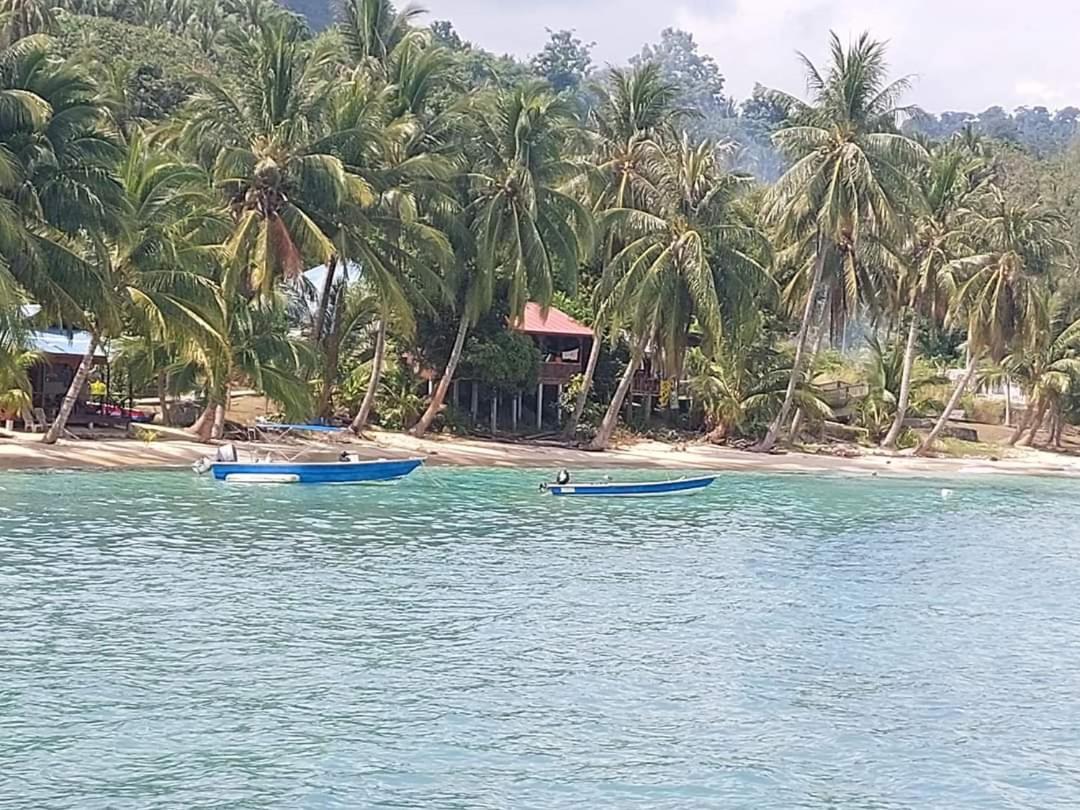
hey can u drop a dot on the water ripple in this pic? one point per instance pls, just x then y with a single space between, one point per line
458 640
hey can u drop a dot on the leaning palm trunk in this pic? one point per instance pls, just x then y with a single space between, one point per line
437 399
954 400
583 394
781 419
59 424
1025 423
1036 423
1053 438
324 301
902 401
611 418
800 414
163 398
218 430
201 426
364 413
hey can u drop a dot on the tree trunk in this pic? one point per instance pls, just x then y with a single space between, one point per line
718 434
436 403
905 386
218 431
163 398
201 426
360 422
74 390
1036 423
1052 438
586 386
958 391
611 417
1025 422
767 444
324 301
796 425
1059 426
1008 402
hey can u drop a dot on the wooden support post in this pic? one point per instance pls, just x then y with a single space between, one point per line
514 413
494 410
539 406
558 406
457 397
475 400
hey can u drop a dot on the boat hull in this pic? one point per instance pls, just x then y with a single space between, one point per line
681 486
334 472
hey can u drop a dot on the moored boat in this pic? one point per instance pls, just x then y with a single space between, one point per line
630 489
346 470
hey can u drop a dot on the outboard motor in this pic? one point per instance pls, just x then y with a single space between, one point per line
226 453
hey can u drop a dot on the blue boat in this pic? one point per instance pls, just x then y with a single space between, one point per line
680 486
348 470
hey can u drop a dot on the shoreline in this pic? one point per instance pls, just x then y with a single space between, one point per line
26 453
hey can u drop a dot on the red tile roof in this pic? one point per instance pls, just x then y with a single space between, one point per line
557 322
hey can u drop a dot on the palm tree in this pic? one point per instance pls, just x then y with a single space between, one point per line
257 350
999 296
636 108
21 18
523 228
281 170
848 190
694 245
1047 366
374 29
158 267
940 237
15 358
60 194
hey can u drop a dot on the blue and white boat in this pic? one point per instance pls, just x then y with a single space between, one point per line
346 470
679 486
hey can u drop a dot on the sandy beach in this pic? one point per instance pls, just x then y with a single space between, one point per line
25 452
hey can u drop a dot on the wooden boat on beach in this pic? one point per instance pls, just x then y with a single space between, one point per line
632 489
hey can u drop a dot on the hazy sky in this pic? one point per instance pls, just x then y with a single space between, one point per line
964 54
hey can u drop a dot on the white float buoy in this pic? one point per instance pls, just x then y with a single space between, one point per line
946 494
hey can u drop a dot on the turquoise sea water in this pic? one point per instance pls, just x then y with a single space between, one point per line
459 641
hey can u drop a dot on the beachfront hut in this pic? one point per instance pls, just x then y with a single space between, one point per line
60 352
564 346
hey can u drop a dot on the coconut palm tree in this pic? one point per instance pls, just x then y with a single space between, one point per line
15 357
636 108
21 18
1000 296
1047 367
374 29
695 244
281 170
256 349
950 179
158 267
848 189
524 229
